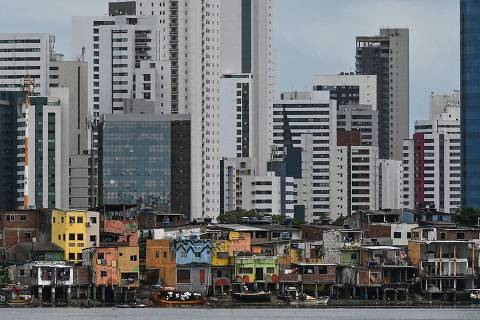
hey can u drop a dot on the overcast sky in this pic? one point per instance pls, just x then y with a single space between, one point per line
311 36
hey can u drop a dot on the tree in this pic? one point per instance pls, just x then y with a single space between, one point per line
467 217
236 216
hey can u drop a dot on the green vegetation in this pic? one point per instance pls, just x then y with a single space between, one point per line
4 279
236 216
467 217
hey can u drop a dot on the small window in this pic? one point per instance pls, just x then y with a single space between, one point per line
409 235
23 217
460 236
53 219
80 236
133 258
270 270
79 256
164 254
442 236
72 219
397 235
80 220
198 254
71 256
59 237
28 235
93 238
322 270
219 273
183 254
353 256
157 254
93 219
71 236
103 274
1 235
101 255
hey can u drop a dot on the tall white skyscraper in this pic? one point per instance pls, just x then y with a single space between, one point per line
22 54
308 120
431 159
180 41
248 69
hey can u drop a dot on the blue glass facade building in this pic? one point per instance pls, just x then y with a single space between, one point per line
10 108
470 100
145 159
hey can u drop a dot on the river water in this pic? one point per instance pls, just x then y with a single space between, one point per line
250 314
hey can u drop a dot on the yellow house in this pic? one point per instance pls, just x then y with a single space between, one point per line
75 230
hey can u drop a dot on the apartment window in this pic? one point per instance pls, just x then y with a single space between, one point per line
353 256
53 219
133 258
460 236
409 235
93 219
93 238
72 219
80 236
79 256
71 256
10 217
198 254
164 254
71 236
157 254
23 217
80 220
103 274
397 235
28 235
100 256
270 270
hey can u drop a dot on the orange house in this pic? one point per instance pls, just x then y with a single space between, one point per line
105 266
161 256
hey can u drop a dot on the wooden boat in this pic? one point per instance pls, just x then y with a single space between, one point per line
172 297
17 296
261 296
291 296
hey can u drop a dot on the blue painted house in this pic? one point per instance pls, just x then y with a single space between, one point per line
193 252
193 258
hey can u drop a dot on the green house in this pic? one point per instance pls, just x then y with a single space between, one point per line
255 269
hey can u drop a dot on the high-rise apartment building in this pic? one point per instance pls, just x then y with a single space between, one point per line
470 99
22 54
180 38
349 88
387 56
307 120
43 164
359 118
431 160
248 70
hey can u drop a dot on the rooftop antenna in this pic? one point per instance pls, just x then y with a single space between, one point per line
81 57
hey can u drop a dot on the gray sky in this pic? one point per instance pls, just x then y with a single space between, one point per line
311 36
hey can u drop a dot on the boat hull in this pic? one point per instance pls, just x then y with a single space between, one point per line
249 298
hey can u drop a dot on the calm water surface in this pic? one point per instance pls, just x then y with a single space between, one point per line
250 314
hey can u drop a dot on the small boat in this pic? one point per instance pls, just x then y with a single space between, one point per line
474 295
291 296
17 296
132 305
246 296
172 297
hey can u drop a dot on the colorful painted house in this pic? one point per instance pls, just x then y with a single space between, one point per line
74 231
222 253
254 269
193 260
120 231
160 256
